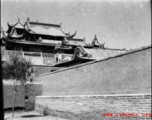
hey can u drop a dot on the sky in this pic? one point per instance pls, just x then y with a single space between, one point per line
117 23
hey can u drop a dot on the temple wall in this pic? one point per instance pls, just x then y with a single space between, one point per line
129 73
119 85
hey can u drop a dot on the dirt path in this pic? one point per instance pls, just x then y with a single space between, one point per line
37 118
21 115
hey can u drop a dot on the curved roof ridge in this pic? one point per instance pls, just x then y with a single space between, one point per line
94 43
67 34
18 24
14 34
45 24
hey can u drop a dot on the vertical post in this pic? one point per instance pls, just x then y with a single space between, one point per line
41 55
14 104
1 91
42 58
14 99
23 54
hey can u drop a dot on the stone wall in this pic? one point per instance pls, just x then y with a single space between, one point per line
32 91
96 107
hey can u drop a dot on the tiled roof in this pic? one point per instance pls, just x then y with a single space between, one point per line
31 43
44 29
32 24
47 31
41 28
103 53
19 25
14 34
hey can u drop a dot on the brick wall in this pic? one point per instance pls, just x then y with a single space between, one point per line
33 90
93 107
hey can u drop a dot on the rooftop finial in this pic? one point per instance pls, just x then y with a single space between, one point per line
84 39
18 19
95 36
28 19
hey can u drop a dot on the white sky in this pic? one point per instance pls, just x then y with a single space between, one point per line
118 23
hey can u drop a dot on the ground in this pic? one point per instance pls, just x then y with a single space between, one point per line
22 115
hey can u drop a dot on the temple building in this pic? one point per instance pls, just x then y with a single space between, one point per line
39 37
48 44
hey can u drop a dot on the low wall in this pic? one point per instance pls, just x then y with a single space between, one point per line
96 107
126 73
33 90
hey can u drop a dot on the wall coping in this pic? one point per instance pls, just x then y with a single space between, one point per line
106 95
100 60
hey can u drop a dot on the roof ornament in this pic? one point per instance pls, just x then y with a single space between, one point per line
40 39
102 46
18 19
28 19
9 27
81 52
94 40
8 24
65 41
125 49
27 24
84 40
95 36
68 35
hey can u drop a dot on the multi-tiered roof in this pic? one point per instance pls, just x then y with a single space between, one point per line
40 34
